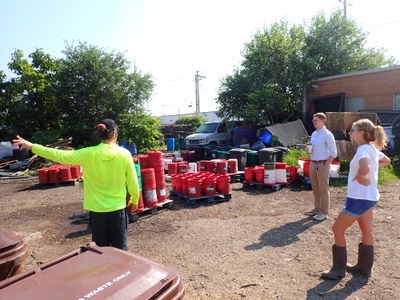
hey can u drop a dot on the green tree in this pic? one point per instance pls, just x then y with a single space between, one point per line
336 45
280 61
142 130
268 87
192 121
28 102
93 84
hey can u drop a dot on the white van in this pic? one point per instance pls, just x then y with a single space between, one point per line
210 133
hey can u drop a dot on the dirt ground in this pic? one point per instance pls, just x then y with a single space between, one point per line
258 245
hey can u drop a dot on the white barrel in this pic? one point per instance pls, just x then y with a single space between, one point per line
192 168
280 173
269 174
280 176
166 162
334 170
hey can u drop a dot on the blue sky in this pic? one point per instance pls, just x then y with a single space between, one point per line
172 39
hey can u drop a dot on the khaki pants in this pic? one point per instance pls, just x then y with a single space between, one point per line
319 175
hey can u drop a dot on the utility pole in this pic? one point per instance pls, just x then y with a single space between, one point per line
197 78
345 7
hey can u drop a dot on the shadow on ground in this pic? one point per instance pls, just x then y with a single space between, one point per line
283 235
324 288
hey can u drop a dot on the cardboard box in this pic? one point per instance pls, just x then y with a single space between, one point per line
346 149
342 121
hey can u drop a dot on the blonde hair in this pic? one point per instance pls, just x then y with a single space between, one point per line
372 133
320 116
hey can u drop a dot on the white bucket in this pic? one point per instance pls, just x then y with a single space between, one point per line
269 176
334 169
192 168
166 162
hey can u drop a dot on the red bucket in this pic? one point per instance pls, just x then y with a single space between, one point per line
259 174
209 186
75 172
150 197
232 165
184 182
221 166
42 174
249 174
161 192
65 174
53 175
172 168
182 168
306 168
194 188
223 185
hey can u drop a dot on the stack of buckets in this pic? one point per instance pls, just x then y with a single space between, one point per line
200 184
140 207
268 174
304 167
153 179
59 173
217 166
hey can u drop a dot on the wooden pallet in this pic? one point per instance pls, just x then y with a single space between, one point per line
148 212
260 185
208 199
59 183
237 177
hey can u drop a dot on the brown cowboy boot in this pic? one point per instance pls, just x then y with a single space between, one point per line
338 269
365 261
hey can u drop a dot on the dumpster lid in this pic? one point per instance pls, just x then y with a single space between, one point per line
93 272
8 240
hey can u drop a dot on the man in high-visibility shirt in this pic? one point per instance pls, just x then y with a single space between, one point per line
109 172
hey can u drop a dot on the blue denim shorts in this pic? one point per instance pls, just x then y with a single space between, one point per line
356 207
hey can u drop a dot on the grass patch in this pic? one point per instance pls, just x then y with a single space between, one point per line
292 156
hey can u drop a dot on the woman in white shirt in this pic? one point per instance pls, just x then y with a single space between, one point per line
362 196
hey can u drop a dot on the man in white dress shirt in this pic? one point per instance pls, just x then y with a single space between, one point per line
322 154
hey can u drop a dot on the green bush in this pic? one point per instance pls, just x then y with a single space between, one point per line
292 156
193 121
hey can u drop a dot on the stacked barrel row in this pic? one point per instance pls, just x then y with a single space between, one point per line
218 166
140 207
203 183
59 173
270 173
153 178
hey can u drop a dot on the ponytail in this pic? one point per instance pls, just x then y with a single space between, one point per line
380 138
102 133
373 134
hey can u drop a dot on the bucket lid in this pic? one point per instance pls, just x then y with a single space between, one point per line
8 240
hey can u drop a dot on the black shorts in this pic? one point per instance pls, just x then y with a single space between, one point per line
110 228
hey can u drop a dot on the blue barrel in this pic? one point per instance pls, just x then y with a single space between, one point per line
170 143
132 149
124 144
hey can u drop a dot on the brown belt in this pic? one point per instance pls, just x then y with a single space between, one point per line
318 161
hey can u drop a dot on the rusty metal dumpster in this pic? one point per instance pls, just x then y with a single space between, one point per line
93 272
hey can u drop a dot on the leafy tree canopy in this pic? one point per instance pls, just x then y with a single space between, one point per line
71 95
281 60
93 84
192 121
142 130
27 102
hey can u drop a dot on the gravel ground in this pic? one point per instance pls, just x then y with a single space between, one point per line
258 245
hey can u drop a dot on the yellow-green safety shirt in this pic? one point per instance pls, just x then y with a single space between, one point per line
108 172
